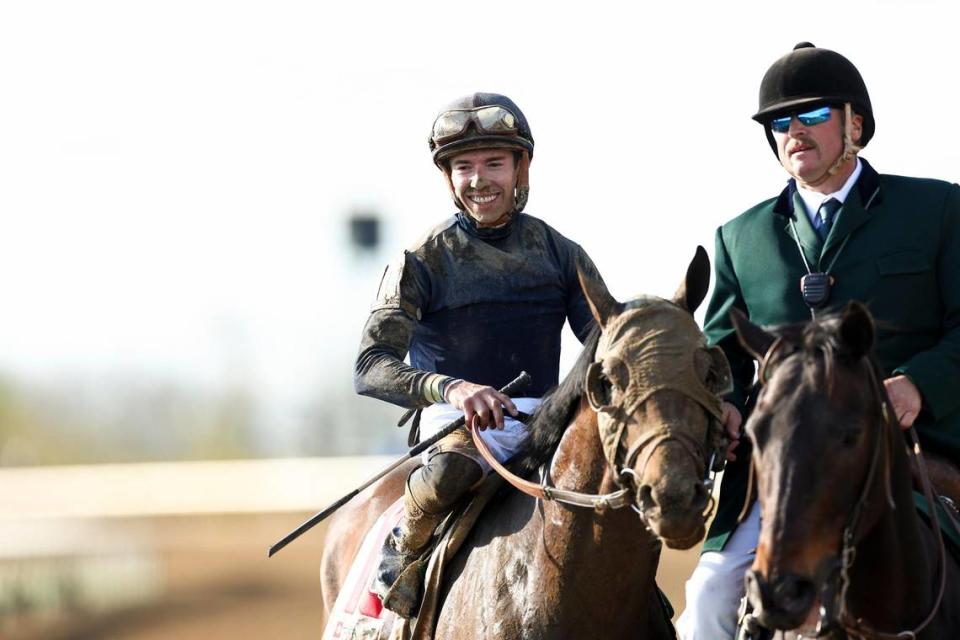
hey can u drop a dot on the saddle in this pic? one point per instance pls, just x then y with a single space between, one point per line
945 478
943 474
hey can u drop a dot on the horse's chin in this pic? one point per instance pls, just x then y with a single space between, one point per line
678 532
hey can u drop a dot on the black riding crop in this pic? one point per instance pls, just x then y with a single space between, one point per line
510 389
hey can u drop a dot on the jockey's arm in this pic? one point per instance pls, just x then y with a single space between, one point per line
380 371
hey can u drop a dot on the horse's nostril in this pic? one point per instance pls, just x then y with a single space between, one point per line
794 592
701 492
645 495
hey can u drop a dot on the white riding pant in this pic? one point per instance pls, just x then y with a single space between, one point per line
504 443
716 586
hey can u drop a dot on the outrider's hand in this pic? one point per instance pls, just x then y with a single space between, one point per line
905 398
732 420
482 406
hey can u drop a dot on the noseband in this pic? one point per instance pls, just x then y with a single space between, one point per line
709 455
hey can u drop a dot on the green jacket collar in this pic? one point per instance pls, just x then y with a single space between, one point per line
867 185
853 214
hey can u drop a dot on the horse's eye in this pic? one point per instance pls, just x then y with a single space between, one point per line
616 372
849 437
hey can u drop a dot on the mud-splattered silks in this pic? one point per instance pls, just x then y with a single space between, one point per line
654 345
473 303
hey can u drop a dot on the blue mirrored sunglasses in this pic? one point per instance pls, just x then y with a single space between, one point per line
807 119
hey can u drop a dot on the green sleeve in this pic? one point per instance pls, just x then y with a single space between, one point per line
936 371
719 328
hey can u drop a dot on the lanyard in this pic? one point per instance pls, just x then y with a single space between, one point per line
815 286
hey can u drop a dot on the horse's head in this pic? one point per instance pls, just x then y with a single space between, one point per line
816 451
655 386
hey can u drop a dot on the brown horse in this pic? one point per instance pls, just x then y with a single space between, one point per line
839 525
538 569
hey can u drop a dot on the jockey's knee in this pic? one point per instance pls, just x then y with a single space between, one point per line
446 477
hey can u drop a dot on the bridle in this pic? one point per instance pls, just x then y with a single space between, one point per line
710 455
834 609
852 533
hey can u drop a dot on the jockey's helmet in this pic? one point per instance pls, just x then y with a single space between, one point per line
483 121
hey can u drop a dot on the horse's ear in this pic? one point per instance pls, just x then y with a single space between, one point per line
856 330
694 287
603 305
753 338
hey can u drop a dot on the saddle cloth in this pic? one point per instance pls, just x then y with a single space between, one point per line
358 613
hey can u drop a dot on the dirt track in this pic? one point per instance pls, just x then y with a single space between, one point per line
220 584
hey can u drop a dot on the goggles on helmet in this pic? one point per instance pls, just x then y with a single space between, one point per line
494 119
807 119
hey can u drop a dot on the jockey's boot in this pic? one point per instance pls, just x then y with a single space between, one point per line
431 491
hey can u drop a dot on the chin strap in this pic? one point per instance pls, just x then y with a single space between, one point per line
522 189
850 150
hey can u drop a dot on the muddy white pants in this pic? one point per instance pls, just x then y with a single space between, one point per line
714 590
504 443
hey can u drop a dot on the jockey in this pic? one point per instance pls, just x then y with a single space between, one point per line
481 297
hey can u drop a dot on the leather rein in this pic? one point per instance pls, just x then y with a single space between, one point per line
624 476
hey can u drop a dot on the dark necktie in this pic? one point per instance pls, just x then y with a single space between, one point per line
825 216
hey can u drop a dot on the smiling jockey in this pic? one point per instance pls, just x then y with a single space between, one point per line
480 297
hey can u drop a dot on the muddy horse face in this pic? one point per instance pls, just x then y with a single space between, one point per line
655 386
818 449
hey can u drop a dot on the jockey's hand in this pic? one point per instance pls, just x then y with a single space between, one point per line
482 406
732 420
905 399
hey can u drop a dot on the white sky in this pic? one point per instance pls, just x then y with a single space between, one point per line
175 176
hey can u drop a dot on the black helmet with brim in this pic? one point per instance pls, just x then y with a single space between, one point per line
809 75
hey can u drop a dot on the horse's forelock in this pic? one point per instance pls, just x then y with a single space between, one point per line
822 350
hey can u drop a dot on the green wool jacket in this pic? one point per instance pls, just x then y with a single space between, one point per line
900 240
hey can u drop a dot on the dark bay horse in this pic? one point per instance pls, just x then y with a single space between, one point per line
639 410
841 544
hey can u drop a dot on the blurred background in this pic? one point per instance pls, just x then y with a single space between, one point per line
197 202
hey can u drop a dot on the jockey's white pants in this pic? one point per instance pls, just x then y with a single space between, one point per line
504 443
714 590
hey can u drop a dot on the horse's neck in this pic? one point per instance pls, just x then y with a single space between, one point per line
613 545
898 552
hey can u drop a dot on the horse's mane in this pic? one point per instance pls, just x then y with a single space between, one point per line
551 418
821 337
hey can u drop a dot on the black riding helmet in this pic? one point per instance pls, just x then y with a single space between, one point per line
809 75
461 126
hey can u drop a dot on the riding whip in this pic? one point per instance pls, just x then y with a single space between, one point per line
510 389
